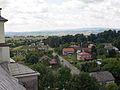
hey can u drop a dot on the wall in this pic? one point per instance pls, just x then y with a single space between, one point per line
4 54
2 35
29 82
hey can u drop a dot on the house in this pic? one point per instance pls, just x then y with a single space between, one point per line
108 48
103 77
40 43
75 47
68 51
43 57
90 45
83 56
86 49
53 62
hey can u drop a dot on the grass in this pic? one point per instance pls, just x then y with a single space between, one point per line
17 48
71 58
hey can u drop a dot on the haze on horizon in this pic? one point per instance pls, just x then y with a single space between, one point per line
36 15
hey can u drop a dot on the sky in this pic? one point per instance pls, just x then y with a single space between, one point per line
43 15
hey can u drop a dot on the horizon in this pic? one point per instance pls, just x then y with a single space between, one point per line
61 30
46 15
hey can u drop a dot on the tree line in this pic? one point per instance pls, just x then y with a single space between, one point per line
110 36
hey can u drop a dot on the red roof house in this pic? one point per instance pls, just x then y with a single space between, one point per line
43 57
68 51
40 43
84 56
53 62
86 49
76 47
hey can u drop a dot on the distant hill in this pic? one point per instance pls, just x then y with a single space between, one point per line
60 32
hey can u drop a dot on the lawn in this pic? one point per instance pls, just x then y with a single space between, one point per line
71 58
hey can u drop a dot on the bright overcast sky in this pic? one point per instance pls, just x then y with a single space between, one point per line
37 15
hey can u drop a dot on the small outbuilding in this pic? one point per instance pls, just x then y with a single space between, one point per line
103 77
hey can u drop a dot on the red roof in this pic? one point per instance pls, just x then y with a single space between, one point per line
83 54
68 50
74 46
43 57
86 49
40 43
88 58
53 61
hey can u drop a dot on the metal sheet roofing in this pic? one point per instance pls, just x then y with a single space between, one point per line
19 70
8 82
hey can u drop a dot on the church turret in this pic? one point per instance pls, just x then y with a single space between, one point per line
4 48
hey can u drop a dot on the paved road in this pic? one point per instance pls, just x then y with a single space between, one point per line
64 62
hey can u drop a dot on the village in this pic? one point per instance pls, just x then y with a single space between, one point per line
74 54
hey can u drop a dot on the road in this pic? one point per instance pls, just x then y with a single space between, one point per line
64 62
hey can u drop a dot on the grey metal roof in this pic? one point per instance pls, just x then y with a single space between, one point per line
19 70
3 19
8 82
103 76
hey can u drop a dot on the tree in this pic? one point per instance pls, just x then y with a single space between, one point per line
46 78
94 52
111 53
62 78
32 58
83 82
111 86
113 66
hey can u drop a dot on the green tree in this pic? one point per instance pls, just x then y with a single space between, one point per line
62 78
111 86
46 78
83 82
32 57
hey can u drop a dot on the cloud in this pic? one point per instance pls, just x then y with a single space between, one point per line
34 15
92 1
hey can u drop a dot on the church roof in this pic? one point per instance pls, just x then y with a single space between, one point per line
20 70
3 19
8 82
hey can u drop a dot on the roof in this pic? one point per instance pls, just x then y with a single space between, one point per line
3 19
53 61
83 54
88 58
86 48
68 50
43 57
8 82
19 70
74 46
103 76
40 43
